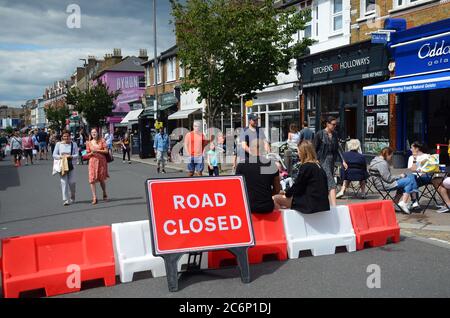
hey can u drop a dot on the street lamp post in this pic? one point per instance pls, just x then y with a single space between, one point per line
155 61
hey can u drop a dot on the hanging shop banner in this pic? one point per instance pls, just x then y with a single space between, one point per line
198 214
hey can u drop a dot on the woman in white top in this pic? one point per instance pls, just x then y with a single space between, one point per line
294 134
67 148
415 163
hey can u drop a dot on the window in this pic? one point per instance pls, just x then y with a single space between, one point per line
337 16
159 72
316 21
368 7
307 32
181 69
171 67
147 76
141 81
406 3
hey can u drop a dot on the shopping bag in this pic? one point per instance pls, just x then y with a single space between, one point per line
64 166
56 166
430 164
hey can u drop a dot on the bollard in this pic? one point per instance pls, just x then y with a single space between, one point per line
288 160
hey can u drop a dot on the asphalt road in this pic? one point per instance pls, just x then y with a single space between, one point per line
30 202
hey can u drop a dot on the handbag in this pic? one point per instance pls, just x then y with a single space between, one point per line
56 166
69 161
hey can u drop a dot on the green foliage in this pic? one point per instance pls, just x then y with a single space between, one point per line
9 130
56 116
95 105
235 47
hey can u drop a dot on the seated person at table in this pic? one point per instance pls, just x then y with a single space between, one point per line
406 183
261 178
309 194
415 163
357 168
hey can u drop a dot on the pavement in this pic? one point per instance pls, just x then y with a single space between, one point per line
30 203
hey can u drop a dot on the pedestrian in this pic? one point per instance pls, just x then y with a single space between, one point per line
309 193
327 147
261 178
98 166
404 183
125 142
252 136
213 160
416 162
162 148
42 139
27 147
16 148
194 143
294 135
82 140
67 150
36 144
109 142
306 133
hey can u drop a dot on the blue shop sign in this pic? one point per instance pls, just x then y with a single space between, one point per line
428 55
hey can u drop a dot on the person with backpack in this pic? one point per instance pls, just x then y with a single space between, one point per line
67 150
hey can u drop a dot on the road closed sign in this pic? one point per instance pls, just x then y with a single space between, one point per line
199 214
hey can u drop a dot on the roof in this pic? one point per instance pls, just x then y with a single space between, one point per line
129 64
164 55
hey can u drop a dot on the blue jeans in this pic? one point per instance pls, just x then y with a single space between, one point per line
408 184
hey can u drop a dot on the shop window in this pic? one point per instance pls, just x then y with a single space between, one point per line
274 107
290 106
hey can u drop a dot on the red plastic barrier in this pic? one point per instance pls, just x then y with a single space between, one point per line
270 240
50 261
374 223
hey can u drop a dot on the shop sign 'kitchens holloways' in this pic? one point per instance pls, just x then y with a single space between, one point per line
349 63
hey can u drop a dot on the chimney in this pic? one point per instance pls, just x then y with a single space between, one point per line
143 55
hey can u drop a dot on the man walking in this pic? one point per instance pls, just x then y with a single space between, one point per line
194 143
306 133
253 136
161 146
42 139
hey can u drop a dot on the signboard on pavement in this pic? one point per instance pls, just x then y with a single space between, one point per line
199 214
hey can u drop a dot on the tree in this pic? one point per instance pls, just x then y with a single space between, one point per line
235 47
57 115
95 104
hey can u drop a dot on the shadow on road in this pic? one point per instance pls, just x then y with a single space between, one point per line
90 209
9 177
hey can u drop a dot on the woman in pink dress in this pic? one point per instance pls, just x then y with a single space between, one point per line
98 166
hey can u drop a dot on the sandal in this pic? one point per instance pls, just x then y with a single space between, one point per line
94 201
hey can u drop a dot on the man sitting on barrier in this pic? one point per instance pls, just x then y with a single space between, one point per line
309 194
261 177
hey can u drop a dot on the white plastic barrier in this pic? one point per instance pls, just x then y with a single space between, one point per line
319 232
133 252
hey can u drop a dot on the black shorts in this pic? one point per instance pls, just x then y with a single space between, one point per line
28 153
16 152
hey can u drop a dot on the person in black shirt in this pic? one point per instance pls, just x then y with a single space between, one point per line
262 180
309 194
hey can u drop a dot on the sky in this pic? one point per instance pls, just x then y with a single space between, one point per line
37 47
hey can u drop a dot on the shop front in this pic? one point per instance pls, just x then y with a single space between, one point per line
332 85
278 108
421 85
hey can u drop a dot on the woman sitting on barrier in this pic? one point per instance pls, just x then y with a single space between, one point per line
403 182
309 194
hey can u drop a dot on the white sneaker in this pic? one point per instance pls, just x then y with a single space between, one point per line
444 209
66 203
404 207
340 195
415 205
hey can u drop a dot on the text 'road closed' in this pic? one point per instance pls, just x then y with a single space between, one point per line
191 214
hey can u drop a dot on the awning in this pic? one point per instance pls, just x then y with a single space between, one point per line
410 84
183 114
131 116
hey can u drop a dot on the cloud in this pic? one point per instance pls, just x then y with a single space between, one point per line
37 48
